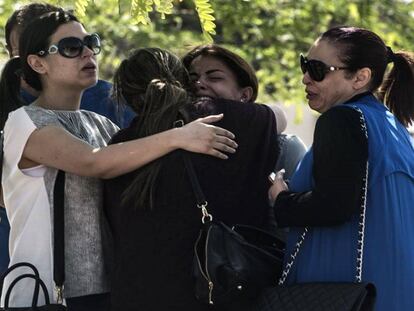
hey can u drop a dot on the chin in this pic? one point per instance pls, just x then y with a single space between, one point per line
91 83
314 105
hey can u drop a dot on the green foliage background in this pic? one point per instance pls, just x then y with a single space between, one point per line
269 33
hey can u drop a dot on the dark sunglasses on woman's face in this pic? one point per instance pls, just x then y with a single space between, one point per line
317 70
72 47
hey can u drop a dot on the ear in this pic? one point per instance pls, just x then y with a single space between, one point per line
246 94
362 78
36 63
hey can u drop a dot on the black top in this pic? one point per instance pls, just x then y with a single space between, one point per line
340 152
154 248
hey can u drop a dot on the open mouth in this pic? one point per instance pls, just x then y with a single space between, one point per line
204 94
89 67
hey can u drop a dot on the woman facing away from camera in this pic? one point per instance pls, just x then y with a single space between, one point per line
158 222
343 69
58 58
217 72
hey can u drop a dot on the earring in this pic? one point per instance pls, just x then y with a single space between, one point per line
243 99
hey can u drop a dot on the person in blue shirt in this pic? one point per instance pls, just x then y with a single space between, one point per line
96 98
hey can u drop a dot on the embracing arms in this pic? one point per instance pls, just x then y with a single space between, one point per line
55 147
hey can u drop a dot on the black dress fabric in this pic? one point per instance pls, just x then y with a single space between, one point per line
153 249
340 151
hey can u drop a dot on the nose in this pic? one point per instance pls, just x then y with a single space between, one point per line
87 52
306 78
199 84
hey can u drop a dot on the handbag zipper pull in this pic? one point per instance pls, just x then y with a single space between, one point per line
210 293
59 292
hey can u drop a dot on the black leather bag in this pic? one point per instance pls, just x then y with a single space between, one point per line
230 263
58 261
319 297
324 296
227 265
39 284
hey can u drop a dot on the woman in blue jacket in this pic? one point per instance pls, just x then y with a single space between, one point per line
342 70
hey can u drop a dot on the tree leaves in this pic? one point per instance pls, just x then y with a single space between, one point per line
140 10
80 7
164 7
205 12
270 34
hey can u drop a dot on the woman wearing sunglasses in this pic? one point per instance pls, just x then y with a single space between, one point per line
345 80
58 58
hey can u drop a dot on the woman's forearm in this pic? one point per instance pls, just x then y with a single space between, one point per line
55 147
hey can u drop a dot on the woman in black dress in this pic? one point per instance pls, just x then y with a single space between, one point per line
152 211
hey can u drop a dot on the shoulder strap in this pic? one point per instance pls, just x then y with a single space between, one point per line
1 153
195 184
59 233
361 223
198 192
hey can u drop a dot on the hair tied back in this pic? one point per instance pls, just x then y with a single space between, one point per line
390 55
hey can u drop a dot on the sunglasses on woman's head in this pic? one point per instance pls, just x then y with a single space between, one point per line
317 70
72 47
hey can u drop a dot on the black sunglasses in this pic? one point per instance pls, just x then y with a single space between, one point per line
317 70
72 47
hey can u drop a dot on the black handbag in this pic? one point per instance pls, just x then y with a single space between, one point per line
230 263
324 296
319 297
58 261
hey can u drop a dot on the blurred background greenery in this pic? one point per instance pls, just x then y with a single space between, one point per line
269 33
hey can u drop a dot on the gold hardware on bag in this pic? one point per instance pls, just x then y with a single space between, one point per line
59 293
205 213
210 293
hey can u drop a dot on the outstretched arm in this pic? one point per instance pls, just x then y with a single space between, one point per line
55 147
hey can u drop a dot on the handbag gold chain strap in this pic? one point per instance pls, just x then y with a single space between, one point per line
361 224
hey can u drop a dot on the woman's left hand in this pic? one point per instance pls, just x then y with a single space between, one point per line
278 185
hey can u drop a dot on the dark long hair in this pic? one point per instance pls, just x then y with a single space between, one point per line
23 16
34 38
152 82
359 48
244 73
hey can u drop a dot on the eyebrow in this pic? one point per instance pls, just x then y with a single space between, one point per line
207 72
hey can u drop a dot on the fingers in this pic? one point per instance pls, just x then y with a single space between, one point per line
223 148
223 132
218 130
280 174
271 195
211 119
225 144
217 154
208 139
277 186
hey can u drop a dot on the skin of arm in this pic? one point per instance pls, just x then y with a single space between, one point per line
55 147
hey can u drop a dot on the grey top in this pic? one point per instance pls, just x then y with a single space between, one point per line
84 266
